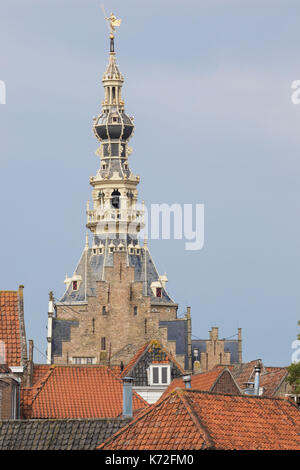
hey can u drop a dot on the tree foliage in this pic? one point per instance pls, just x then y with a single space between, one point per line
293 377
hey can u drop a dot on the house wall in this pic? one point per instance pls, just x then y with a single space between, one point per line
9 398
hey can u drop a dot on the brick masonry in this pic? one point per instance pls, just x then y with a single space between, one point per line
120 313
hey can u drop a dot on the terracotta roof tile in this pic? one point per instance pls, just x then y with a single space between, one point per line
10 327
39 370
270 378
77 392
203 381
193 420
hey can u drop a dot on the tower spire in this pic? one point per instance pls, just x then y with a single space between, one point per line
113 24
114 186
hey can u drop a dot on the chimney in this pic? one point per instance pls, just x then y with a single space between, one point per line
30 364
189 338
240 345
51 311
22 326
127 397
187 381
257 370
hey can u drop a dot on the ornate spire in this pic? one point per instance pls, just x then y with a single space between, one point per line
115 193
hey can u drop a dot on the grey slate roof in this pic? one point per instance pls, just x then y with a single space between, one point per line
91 268
46 434
177 331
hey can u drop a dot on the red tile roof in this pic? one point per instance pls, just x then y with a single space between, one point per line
203 381
10 327
194 420
39 370
270 377
77 392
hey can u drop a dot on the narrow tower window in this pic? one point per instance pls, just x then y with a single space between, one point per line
104 312
103 344
134 310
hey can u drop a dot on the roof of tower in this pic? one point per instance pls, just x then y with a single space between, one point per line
90 269
112 71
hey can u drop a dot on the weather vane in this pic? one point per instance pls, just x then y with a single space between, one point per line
114 22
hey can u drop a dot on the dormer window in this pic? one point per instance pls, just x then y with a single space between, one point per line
158 292
159 374
74 285
100 250
111 248
94 251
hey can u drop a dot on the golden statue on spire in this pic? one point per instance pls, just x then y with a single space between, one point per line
113 23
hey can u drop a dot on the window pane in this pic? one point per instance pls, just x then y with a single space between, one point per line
164 375
155 375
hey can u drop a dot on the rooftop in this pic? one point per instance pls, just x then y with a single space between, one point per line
194 420
10 328
47 434
77 392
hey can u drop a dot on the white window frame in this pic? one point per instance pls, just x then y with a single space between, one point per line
83 360
160 367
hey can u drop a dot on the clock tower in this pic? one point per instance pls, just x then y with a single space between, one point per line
115 301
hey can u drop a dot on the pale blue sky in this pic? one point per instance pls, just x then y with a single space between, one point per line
209 84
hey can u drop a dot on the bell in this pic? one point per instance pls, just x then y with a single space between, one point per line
115 201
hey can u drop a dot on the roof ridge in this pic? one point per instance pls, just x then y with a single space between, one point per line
8 291
143 413
38 386
138 355
208 441
243 396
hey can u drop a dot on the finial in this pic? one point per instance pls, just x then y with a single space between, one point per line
113 24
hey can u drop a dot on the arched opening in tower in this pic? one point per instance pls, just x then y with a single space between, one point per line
115 199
